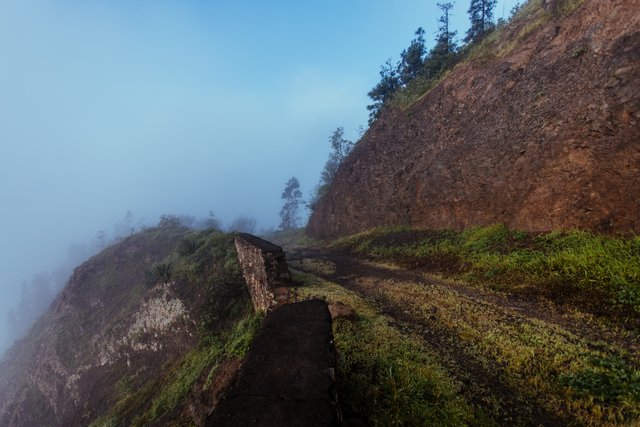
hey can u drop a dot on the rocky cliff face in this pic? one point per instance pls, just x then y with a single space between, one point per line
539 130
111 342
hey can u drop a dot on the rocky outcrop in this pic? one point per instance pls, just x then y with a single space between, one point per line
264 269
116 332
539 130
288 376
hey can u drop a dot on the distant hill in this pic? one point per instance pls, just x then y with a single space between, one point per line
538 129
137 337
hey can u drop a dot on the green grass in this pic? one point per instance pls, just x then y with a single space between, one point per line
160 397
194 365
594 272
569 372
384 375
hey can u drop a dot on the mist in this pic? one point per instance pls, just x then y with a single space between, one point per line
162 107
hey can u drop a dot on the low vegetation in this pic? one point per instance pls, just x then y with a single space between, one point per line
513 328
598 273
384 375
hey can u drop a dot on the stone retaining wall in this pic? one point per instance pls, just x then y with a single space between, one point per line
265 270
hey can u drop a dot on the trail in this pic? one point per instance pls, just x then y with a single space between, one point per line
483 385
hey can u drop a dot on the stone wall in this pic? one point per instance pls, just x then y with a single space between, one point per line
265 270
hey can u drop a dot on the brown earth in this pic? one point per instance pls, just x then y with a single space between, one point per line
539 131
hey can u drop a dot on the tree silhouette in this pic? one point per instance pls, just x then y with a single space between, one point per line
384 90
340 149
481 16
292 197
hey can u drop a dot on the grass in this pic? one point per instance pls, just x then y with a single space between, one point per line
384 375
587 374
162 396
544 362
598 273
197 363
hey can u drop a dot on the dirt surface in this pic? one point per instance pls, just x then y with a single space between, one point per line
287 377
538 132
483 384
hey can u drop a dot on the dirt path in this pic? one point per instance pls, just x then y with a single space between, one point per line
481 384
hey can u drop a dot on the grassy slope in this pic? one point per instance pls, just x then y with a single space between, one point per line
487 326
204 263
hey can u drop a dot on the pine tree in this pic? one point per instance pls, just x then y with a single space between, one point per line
481 16
384 90
442 55
340 149
412 59
293 199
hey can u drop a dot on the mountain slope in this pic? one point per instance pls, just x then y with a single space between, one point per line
538 130
135 328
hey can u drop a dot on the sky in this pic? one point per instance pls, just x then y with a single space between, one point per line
178 107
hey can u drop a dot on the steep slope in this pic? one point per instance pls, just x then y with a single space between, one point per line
134 329
538 129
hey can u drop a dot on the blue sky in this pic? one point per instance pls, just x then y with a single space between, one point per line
179 107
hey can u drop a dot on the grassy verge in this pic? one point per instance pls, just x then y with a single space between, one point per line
183 375
383 375
598 273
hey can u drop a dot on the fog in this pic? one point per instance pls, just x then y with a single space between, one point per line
166 107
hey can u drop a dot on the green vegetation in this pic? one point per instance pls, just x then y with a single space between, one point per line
597 273
160 272
198 363
480 308
292 197
383 374
188 246
340 149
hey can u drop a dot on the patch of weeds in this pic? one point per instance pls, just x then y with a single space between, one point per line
608 379
579 51
597 273
159 272
188 246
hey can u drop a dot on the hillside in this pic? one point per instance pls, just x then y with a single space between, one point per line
537 129
135 329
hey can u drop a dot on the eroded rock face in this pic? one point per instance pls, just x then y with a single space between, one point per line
544 135
62 373
264 269
116 332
